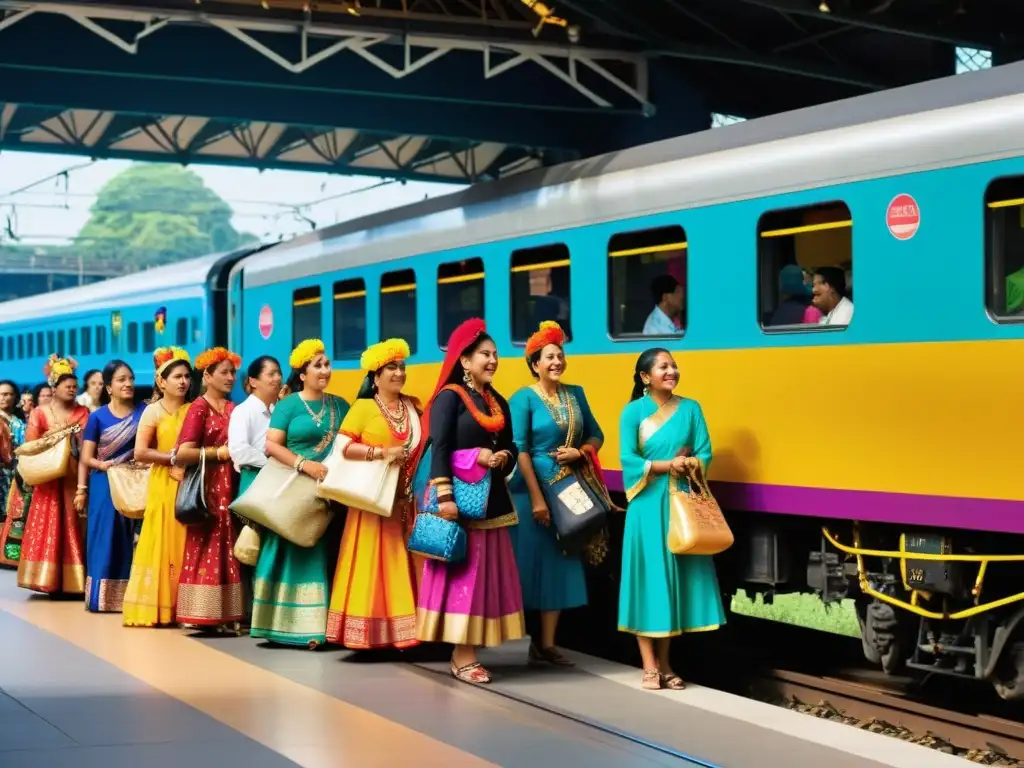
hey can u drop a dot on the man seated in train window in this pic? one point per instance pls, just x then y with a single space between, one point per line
544 304
829 295
795 295
666 319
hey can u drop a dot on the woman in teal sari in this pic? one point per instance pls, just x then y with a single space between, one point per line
290 597
662 595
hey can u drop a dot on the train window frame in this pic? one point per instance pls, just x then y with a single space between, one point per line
31 346
50 342
348 300
85 338
1003 195
307 296
615 256
777 227
3 349
133 338
62 343
11 348
101 340
21 346
181 332
73 342
463 271
149 336
398 285
550 256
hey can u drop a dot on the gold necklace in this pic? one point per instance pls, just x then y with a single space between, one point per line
317 418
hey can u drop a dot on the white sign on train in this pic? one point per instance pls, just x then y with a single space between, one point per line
266 321
903 217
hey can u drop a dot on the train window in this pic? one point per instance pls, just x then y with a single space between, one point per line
86 334
398 307
1004 249
1 348
805 268
148 336
133 338
460 295
10 347
21 347
181 332
305 314
101 340
349 319
31 348
540 289
61 347
647 283
73 342
51 347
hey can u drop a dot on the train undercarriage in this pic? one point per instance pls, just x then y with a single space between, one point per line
944 602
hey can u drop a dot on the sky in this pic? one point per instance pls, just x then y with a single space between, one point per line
45 199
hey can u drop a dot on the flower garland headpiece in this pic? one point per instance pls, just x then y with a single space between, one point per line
215 356
164 356
549 332
382 353
57 366
305 352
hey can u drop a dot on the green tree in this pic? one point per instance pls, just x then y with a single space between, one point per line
157 214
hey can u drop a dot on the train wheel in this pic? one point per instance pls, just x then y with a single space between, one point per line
1010 685
883 635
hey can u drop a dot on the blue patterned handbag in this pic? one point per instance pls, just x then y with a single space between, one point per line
438 539
470 498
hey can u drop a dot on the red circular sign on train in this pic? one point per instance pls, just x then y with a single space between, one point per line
903 217
266 321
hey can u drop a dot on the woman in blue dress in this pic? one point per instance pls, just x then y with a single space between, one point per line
662 595
109 439
542 417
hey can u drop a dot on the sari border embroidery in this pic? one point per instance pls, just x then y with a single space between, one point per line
648 428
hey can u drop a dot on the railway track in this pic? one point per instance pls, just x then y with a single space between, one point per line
980 738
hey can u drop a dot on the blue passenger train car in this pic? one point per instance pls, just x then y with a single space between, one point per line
874 459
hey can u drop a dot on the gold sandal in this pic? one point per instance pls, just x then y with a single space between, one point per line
474 673
651 680
673 682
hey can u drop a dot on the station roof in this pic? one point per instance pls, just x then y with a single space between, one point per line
453 90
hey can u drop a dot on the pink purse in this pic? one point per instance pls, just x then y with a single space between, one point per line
465 467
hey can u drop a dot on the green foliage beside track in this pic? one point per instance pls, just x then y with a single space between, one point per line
803 611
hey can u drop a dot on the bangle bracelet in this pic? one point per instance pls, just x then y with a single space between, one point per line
301 463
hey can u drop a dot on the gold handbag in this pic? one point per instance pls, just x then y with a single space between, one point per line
367 485
247 547
696 524
285 502
129 486
47 458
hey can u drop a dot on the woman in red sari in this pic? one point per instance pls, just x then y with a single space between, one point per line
51 551
210 589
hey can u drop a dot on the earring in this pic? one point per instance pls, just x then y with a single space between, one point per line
466 378
647 388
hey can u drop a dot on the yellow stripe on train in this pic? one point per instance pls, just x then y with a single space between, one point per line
941 418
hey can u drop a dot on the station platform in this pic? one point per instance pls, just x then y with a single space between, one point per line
80 689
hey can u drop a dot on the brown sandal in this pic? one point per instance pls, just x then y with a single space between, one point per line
474 673
673 682
651 680
539 656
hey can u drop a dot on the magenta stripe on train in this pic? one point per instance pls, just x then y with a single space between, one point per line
866 506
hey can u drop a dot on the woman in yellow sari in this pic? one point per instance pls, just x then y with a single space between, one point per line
152 592
374 596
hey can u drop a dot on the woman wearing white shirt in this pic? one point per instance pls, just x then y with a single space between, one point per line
247 433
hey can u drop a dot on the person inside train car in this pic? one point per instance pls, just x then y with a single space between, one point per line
42 394
12 504
373 599
92 390
666 317
290 596
151 597
52 552
553 428
478 600
829 295
795 307
210 587
661 594
247 437
109 440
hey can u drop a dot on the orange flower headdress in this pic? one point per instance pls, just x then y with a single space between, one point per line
164 356
549 332
212 357
58 366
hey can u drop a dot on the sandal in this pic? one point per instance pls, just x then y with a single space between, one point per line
673 682
651 680
474 673
539 656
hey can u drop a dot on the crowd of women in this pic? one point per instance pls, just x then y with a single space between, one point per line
485 477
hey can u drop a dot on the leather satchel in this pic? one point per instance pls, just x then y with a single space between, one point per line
285 501
367 485
190 501
578 512
129 487
47 458
696 524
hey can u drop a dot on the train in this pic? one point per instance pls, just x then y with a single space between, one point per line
876 461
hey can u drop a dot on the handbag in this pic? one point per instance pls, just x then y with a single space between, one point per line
129 486
470 497
578 512
435 538
285 501
190 501
47 458
247 546
696 524
367 485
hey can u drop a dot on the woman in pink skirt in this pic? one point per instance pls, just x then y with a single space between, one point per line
476 601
